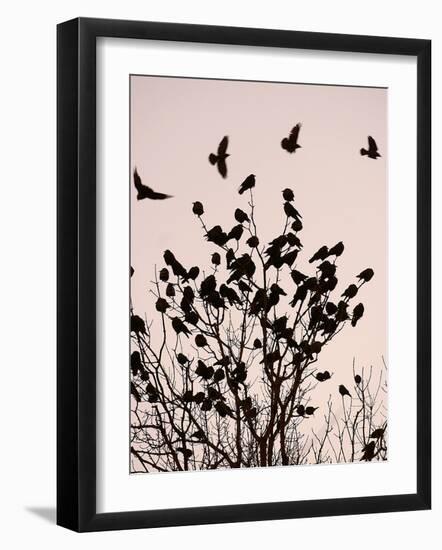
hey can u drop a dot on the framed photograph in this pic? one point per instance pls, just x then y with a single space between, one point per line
243 274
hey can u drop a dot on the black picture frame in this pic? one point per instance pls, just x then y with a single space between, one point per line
76 274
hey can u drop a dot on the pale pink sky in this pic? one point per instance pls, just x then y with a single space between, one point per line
177 122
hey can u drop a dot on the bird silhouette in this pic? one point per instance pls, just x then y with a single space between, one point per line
219 160
199 434
343 390
288 195
135 392
145 192
297 276
229 294
257 344
350 291
244 287
217 235
182 359
137 325
179 327
193 272
291 211
164 275
219 375
204 371
208 285
358 312
236 232
336 250
368 452
297 225
290 144
198 208
135 363
377 434
310 410
242 266
216 258
241 216
200 340
321 254
253 241
223 409
358 379
372 151
161 305
248 183
170 290
366 275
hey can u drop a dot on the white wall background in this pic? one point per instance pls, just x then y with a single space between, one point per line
27 274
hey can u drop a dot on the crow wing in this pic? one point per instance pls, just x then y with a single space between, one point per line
222 147
372 145
222 167
295 133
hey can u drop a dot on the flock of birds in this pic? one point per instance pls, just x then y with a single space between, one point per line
219 159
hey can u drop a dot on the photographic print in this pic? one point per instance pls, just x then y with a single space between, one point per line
258 274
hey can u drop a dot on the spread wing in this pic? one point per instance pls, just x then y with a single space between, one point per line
137 181
222 147
372 144
222 167
295 132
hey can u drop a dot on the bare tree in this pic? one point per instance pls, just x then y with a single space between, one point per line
228 384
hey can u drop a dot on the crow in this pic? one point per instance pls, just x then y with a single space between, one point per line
253 241
378 433
188 294
219 375
248 183
366 275
241 216
182 359
193 272
135 363
200 340
208 285
199 434
289 258
204 371
191 317
161 305
244 287
236 232
321 254
198 208
137 325
336 250
220 158
164 275
293 240
368 452
298 277
350 292
310 410
288 195
229 294
135 392
297 225
358 379
223 409
178 326
216 258
170 290
290 144
291 211
358 312
343 391
273 299
257 344
341 314
243 265
299 296
145 192
217 235
215 300
372 151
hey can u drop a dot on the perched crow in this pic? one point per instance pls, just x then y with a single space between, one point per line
223 409
164 275
236 232
350 291
216 258
290 257
206 405
293 240
188 396
336 250
368 452
137 325
300 295
248 183
219 375
253 241
288 195
275 293
188 294
331 308
366 275
358 312
358 379
191 317
200 340
220 158
161 305
341 314
215 300
178 326
229 294
198 208
217 235
145 192
223 362
241 216
177 268
193 272
290 144
258 303
199 434
242 266
300 409
182 359
208 285
204 371
321 254
297 225
310 410
186 452
372 152
291 211
257 344
230 256
343 390
135 392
